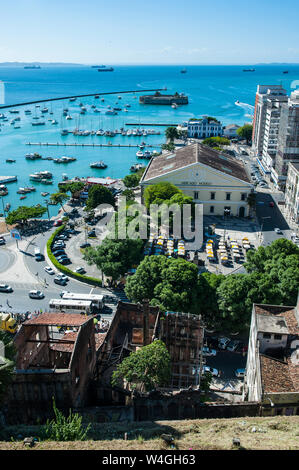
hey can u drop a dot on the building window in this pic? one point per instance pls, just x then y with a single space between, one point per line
267 335
243 196
277 337
196 195
228 196
212 195
211 209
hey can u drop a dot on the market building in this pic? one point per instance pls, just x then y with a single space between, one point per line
217 181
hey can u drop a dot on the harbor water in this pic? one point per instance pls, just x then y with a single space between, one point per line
212 91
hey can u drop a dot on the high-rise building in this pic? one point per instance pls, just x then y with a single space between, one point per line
288 139
265 95
292 192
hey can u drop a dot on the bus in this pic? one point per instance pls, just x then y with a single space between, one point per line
97 300
72 306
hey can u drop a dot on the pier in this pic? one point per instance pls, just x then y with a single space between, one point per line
74 144
76 96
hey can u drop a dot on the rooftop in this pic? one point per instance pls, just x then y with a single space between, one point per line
190 155
276 318
278 376
58 319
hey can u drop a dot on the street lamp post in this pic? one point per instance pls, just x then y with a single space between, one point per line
226 213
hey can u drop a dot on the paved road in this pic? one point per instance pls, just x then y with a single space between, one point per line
269 218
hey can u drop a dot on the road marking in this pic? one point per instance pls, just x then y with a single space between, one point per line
91 291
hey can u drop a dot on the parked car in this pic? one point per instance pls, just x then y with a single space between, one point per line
36 294
223 342
232 345
2 241
57 223
49 270
58 280
92 233
80 270
62 257
58 251
208 352
240 373
85 245
65 261
277 230
5 288
62 237
214 372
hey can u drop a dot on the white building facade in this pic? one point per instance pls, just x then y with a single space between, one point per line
292 193
204 128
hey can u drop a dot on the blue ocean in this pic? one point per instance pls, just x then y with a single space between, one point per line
212 90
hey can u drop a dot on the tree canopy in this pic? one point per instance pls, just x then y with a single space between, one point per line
97 195
115 257
59 198
160 192
148 367
166 282
171 133
24 213
131 181
216 141
245 132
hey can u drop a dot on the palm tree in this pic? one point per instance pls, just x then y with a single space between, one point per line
171 133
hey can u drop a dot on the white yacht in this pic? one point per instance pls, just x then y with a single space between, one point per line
139 154
101 165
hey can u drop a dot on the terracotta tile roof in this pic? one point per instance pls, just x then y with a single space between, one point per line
61 319
278 376
99 339
191 154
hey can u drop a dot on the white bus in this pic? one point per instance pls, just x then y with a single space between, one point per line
71 306
97 300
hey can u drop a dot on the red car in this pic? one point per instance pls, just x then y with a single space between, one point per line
271 204
57 223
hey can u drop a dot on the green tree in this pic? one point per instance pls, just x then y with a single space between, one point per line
24 213
72 187
97 195
115 257
59 198
148 367
170 147
216 141
171 133
131 181
167 282
159 192
245 132
207 286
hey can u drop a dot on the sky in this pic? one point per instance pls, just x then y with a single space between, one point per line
152 32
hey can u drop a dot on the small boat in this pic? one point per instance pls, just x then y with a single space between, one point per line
174 106
102 99
139 154
248 70
27 111
44 110
105 69
14 111
147 154
285 71
7 207
54 122
64 132
96 96
72 99
39 123
44 194
136 167
23 197
9 160
69 117
100 165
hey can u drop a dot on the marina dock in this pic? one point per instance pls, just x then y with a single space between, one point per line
74 144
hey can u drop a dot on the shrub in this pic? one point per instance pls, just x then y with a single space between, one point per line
63 269
63 428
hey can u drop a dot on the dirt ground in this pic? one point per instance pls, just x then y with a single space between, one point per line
271 433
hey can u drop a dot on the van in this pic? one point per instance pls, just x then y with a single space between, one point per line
37 254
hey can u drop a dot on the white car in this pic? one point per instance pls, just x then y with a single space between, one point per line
5 288
49 270
214 372
208 352
80 270
277 230
63 277
36 294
